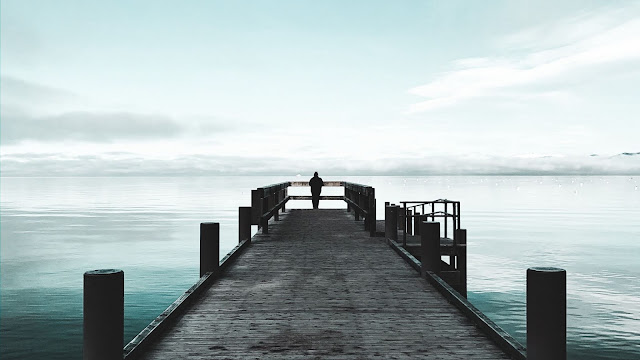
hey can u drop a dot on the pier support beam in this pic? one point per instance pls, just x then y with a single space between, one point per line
546 313
244 223
209 247
103 312
430 247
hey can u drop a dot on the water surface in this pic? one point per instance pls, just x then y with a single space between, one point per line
54 229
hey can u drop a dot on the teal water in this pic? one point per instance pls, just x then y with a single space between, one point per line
54 229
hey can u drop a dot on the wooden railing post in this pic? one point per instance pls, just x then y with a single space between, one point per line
390 219
546 313
460 235
409 225
209 247
356 200
284 196
264 222
430 247
416 223
244 223
103 314
365 205
446 216
372 212
256 206
347 195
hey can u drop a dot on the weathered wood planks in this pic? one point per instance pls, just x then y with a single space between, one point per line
317 286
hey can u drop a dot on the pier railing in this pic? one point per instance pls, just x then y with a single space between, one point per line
408 219
267 202
414 212
103 303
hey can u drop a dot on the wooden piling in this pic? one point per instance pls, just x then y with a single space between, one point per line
546 313
402 222
430 247
209 247
256 207
372 212
390 219
103 313
460 236
244 223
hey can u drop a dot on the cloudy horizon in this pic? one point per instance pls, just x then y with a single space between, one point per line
370 88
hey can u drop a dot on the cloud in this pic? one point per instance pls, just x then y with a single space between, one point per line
543 60
36 112
14 88
129 164
85 126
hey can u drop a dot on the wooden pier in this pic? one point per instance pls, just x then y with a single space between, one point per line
313 284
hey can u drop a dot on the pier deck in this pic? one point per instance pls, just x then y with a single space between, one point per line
317 286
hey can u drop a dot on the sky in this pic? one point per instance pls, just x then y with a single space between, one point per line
340 87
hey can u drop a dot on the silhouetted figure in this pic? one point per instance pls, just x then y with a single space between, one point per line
316 184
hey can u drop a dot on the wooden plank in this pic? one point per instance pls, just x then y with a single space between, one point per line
319 287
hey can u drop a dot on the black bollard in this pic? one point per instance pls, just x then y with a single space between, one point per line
430 247
461 253
103 312
209 247
244 223
546 313
391 222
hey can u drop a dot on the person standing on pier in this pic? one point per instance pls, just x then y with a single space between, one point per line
316 184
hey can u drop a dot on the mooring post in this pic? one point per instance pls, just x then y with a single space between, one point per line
244 223
103 313
546 313
209 247
390 219
430 247
460 236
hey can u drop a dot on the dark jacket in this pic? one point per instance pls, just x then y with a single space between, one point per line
316 184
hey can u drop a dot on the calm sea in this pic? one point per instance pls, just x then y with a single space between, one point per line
55 229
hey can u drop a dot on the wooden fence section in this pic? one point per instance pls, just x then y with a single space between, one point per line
319 287
267 202
405 223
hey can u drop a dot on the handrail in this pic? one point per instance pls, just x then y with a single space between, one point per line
267 201
363 201
410 208
325 183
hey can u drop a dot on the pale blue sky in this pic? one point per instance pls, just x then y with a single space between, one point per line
345 86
